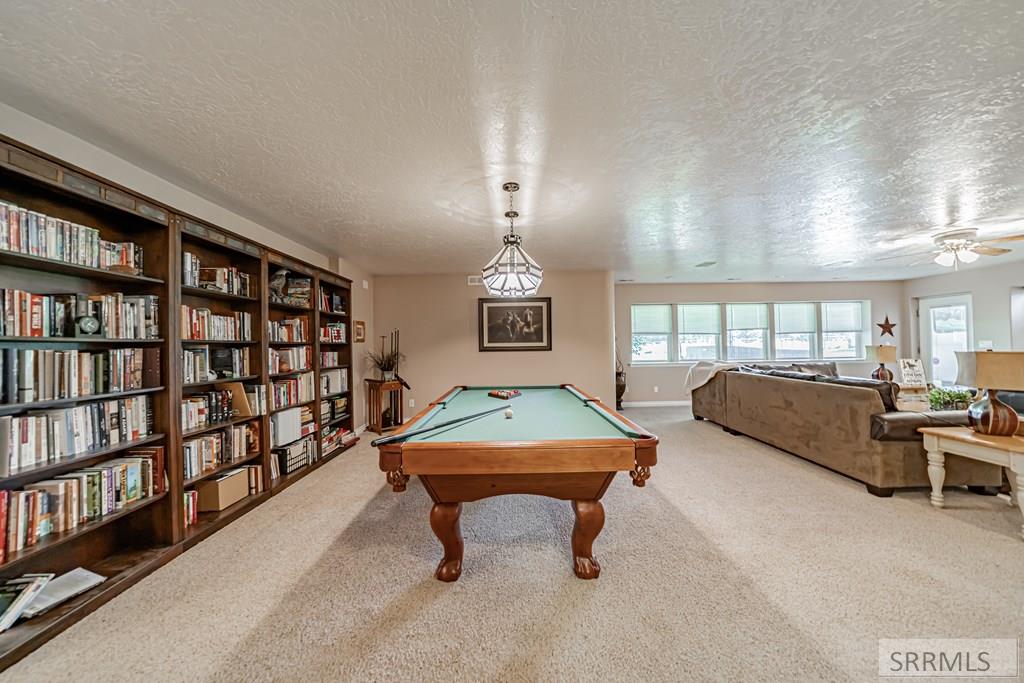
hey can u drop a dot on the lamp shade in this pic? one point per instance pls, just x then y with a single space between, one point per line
883 353
991 369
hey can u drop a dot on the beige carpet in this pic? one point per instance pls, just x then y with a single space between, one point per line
737 562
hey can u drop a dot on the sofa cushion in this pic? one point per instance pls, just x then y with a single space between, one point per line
902 425
791 374
887 391
827 369
1014 399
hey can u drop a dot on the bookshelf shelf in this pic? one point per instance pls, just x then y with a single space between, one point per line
336 394
292 405
11 408
204 293
92 341
324 342
52 469
55 539
333 367
333 314
210 522
220 380
293 373
216 342
221 468
290 343
337 420
281 306
205 429
341 449
17 260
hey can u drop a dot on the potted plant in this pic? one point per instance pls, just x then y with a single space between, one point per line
386 362
949 399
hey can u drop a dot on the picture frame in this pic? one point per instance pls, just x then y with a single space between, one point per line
358 331
521 324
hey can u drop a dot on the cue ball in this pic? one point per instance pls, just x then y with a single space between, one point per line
508 413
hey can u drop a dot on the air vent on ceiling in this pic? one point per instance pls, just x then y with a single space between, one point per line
705 264
474 280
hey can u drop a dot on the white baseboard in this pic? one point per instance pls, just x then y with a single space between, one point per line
360 429
653 404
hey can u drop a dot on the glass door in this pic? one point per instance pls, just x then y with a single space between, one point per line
945 327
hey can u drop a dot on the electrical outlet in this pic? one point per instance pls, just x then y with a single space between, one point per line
655 389
412 403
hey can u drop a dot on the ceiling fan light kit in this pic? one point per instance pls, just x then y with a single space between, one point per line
512 273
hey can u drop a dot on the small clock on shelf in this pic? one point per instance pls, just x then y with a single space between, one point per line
86 324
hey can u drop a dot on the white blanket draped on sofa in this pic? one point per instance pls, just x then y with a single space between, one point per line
701 373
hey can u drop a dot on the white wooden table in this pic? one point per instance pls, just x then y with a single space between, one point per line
1005 451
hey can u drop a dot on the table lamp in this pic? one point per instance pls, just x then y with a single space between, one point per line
991 371
883 353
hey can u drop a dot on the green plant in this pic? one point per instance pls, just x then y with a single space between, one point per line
385 361
939 398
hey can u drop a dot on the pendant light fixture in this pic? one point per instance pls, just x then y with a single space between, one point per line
512 272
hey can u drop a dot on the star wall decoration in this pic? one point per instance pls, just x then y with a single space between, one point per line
887 327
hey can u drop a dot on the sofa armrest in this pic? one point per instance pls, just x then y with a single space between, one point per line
903 425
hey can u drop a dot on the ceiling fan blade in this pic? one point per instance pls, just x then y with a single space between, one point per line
1007 238
905 256
989 251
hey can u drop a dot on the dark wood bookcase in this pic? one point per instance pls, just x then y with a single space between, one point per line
130 543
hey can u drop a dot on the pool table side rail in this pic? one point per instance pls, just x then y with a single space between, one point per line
508 457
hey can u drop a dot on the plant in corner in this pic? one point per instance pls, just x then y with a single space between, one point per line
386 362
949 399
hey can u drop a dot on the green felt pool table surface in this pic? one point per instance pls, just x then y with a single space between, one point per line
539 414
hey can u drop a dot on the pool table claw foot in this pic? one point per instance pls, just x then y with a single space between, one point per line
589 522
640 475
397 479
444 520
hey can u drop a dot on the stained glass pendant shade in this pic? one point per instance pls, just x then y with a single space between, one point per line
512 273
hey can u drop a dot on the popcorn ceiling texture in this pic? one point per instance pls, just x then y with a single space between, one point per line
649 136
737 563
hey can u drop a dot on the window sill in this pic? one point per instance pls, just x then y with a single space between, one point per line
688 363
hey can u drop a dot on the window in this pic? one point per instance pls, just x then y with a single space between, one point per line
747 337
652 329
842 329
700 331
795 331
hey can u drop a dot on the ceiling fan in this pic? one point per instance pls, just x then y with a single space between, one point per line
962 246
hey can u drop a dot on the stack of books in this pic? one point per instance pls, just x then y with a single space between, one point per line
212 407
28 375
27 441
121 316
288 330
36 234
333 333
290 359
228 280
201 324
333 381
293 390
69 500
329 359
195 365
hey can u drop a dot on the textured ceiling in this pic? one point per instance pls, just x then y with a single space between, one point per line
797 140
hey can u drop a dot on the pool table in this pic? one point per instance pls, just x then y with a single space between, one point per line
559 442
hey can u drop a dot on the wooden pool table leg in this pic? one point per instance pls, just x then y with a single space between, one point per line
589 522
444 520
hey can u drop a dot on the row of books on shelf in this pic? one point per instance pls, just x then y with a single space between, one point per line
200 364
334 438
70 500
330 359
222 405
205 497
333 333
28 375
228 280
290 359
30 595
202 324
288 330
333 408
210 451
118 315
333 381
287 392
293 456
37 234
332 302
39 438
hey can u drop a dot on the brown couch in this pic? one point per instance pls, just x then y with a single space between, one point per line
851 427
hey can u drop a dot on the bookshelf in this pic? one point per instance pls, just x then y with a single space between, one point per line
131 541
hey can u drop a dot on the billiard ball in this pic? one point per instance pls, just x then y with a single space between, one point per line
508 413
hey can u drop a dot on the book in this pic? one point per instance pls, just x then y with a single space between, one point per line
17 594
62 589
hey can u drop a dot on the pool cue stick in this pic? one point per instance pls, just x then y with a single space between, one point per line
423 430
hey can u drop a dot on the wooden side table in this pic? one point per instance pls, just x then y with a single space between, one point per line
1006 451
377 390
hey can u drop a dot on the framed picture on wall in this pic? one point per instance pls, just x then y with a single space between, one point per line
358 331
515 324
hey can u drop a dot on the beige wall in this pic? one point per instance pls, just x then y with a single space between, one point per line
437 316
886 299
362 309
997 304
